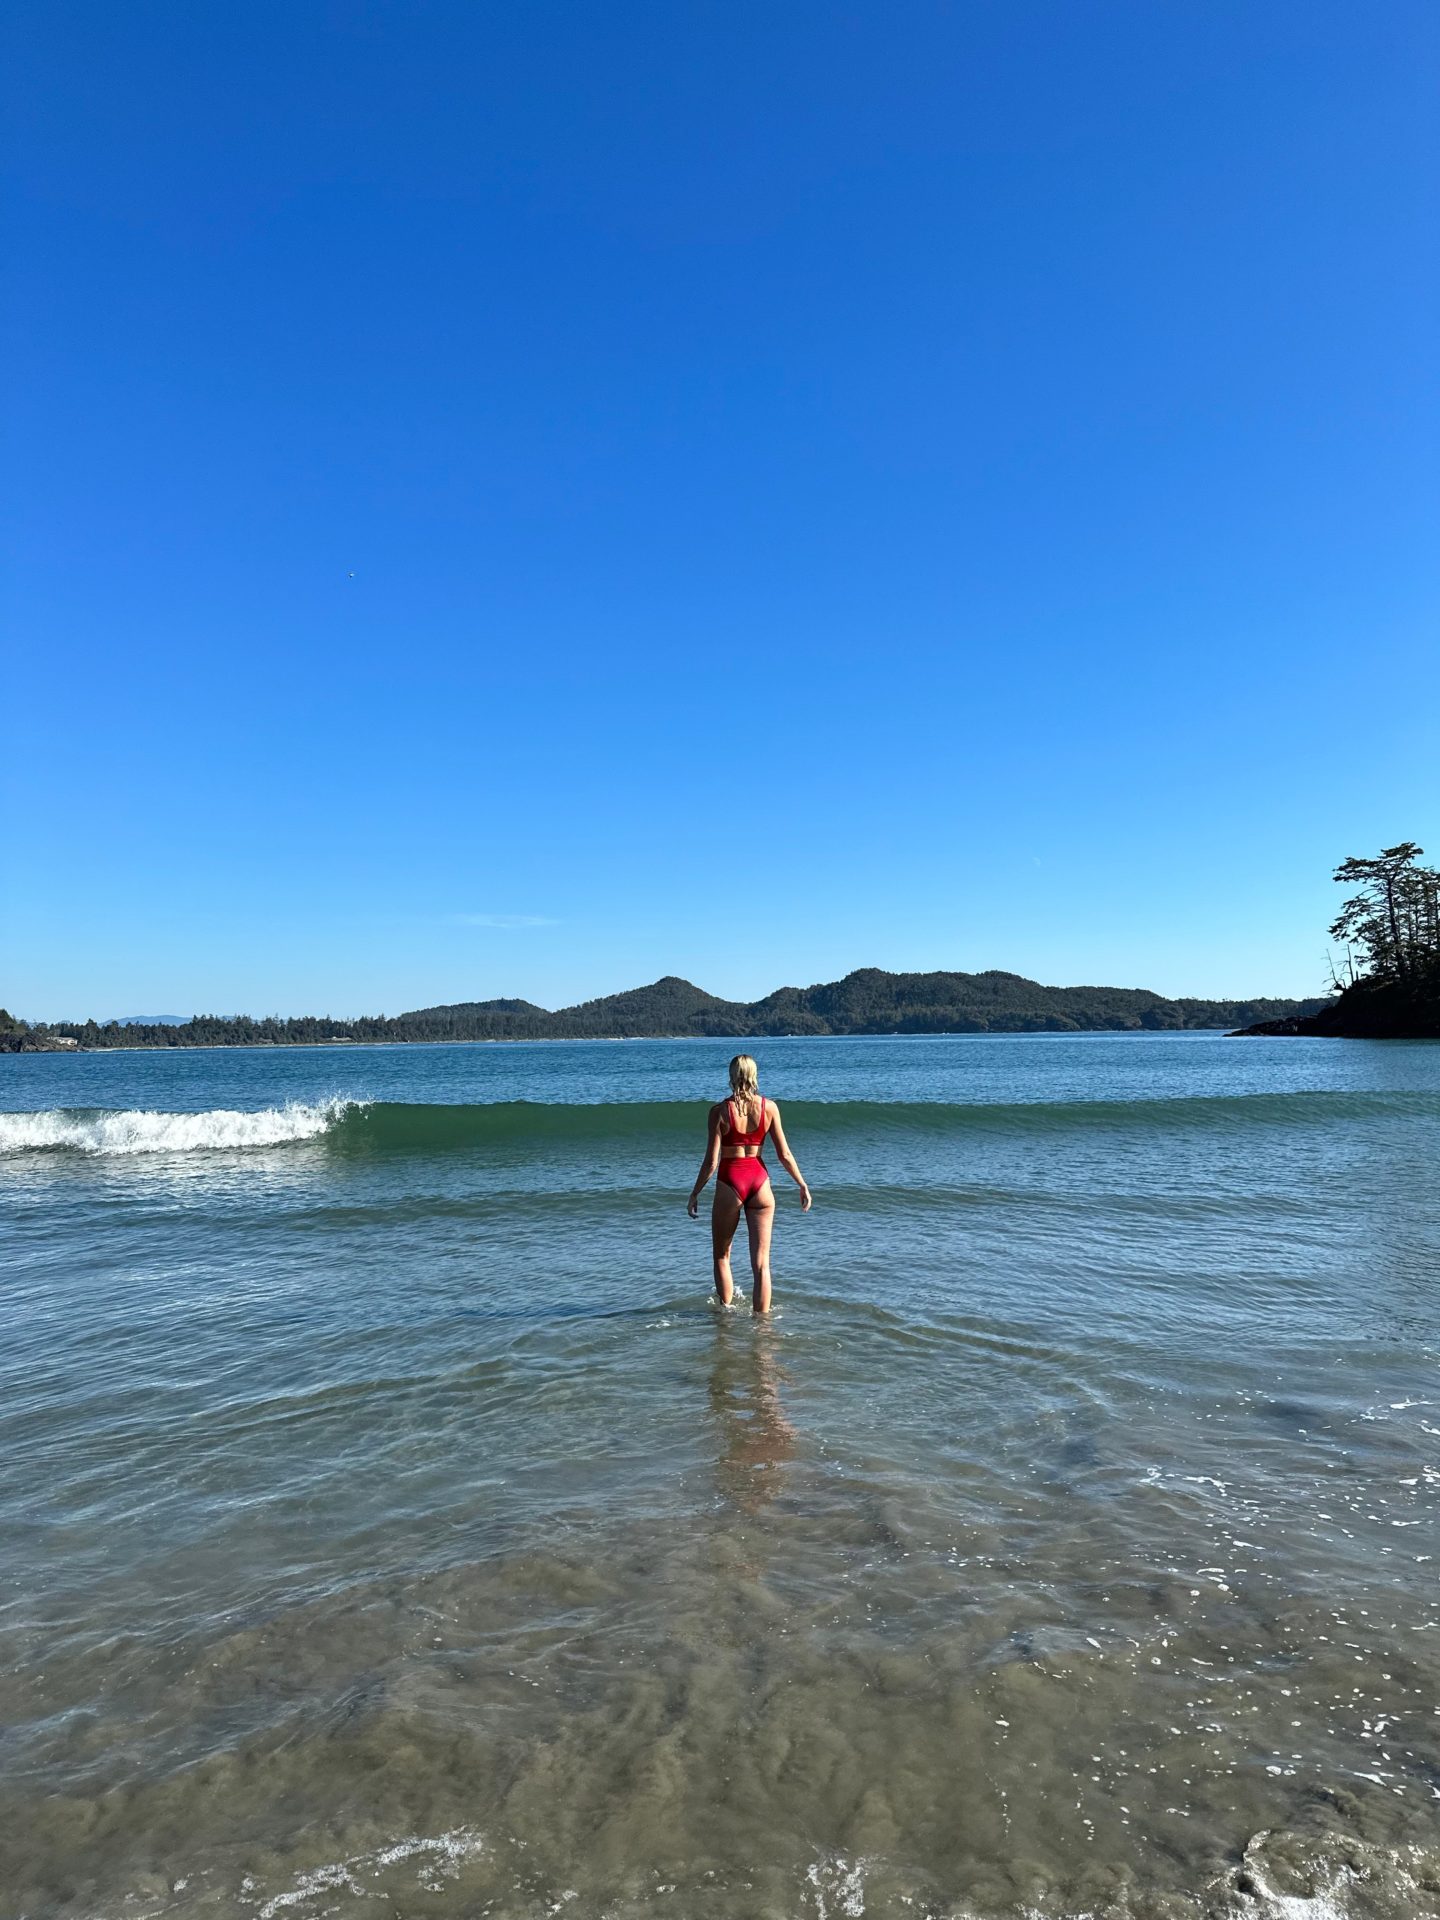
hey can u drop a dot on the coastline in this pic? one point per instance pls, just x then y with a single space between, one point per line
1369 1009
868 1000
623 1039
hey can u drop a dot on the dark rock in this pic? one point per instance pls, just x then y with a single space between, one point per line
1368 1010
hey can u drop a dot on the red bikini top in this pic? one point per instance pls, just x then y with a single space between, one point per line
739 1139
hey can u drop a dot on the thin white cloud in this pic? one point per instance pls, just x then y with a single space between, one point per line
507 921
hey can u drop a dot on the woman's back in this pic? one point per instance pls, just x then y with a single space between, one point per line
738 1135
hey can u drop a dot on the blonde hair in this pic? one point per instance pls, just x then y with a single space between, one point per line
744 1079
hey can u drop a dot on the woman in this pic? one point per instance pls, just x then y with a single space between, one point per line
738 1127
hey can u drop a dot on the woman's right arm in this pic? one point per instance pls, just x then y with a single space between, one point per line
787 1159
708 1163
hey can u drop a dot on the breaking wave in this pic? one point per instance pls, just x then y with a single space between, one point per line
97 1131
517 1126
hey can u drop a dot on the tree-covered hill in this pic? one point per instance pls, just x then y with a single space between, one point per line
870 1001
867 1001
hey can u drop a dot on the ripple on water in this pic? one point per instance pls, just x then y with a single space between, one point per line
391 1528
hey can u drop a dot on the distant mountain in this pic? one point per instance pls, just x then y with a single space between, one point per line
149 1020
867 1001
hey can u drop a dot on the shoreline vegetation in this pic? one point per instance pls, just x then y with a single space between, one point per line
1390 930
1390 989
868 1001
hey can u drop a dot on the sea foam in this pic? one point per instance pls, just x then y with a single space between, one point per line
221 1129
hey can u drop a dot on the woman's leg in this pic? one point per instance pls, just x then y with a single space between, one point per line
759 1219
724 1218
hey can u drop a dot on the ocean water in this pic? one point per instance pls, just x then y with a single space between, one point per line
393 1526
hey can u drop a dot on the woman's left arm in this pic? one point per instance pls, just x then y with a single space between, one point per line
787 1159
708 1163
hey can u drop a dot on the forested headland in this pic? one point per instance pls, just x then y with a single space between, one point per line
1388 987
869 1001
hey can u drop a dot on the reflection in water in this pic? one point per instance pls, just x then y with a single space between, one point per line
755 1437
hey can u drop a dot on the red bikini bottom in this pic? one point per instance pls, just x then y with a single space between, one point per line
745 1175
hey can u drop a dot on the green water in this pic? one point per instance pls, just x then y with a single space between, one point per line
392 1525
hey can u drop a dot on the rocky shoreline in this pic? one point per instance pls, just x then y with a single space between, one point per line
1366 1010
24 1040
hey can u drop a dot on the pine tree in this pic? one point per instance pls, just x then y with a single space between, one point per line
1394 920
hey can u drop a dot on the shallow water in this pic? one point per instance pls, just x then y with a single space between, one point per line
394 1527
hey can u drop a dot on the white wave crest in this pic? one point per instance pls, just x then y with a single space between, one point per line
434 1860
221 1129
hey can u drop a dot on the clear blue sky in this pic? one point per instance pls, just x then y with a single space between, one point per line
825 485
